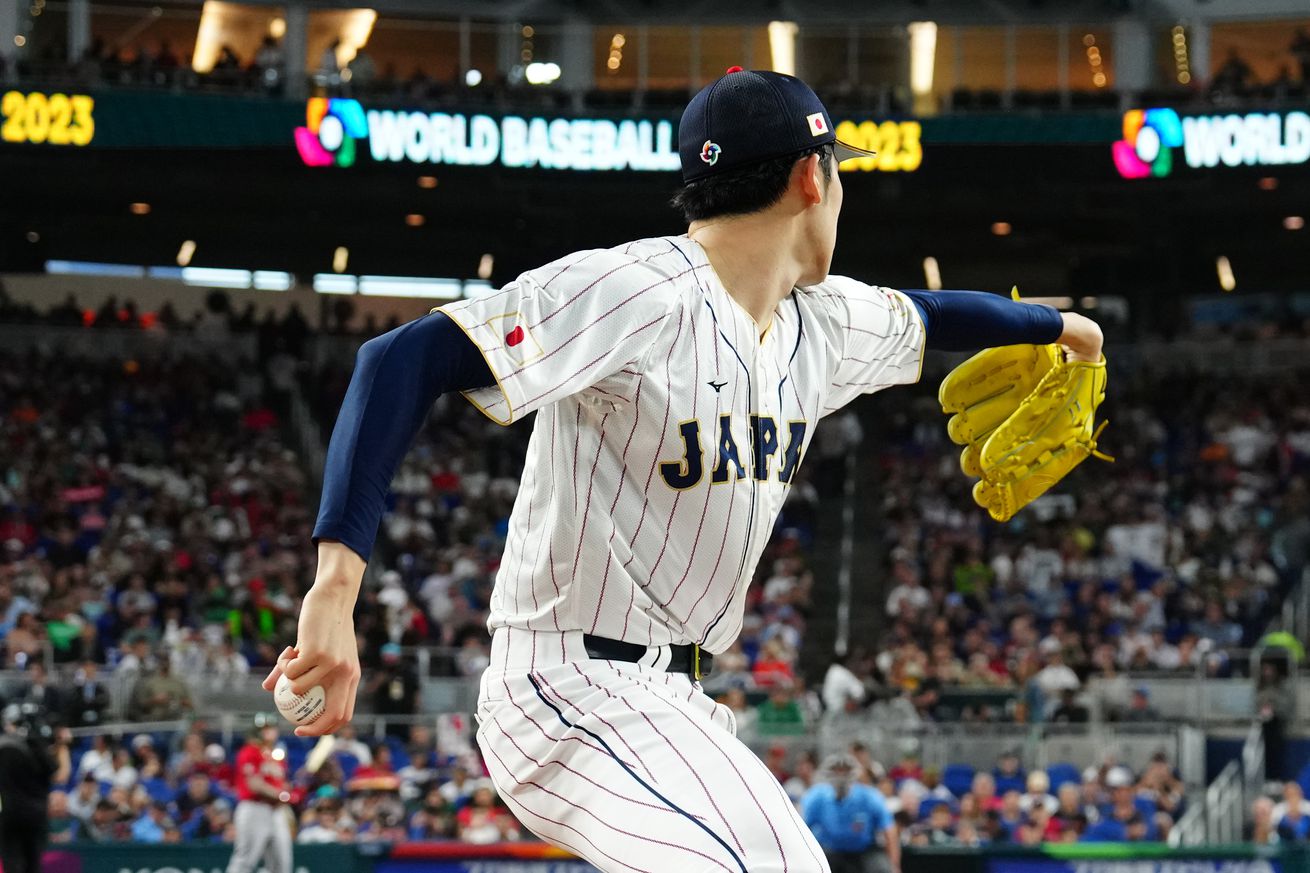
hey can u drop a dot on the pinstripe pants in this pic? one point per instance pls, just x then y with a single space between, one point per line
631 767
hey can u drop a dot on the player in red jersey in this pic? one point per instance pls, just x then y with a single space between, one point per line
263 827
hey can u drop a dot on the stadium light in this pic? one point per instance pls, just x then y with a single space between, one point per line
538 73
923 56
473 78
932 274
1224 268
340 259
186 252
1293 222
410 286
331 283
782 46
485 265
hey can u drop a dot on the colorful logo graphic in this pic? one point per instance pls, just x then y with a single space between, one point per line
709 153
818 126
331 128
1150 135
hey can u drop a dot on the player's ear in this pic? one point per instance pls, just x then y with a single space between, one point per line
809 176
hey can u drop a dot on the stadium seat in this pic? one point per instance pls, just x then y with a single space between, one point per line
958 778
349 764
1060 774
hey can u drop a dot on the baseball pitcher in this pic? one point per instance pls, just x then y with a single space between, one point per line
677 382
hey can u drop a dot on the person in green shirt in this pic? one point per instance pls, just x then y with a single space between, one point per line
781 713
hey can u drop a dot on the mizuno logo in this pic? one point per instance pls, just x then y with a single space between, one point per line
716 385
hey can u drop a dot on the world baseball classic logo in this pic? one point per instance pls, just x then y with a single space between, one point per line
1150 136
332 128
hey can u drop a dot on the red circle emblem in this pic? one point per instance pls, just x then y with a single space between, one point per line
514 337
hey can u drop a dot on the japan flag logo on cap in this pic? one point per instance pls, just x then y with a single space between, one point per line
818 124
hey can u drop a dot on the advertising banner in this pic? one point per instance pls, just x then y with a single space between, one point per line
186 858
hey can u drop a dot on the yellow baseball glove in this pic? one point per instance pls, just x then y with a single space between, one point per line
1026 417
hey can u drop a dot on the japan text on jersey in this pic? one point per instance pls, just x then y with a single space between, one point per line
668 432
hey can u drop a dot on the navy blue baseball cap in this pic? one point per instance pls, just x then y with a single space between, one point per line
749 116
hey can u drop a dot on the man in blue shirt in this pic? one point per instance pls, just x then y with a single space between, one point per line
846 817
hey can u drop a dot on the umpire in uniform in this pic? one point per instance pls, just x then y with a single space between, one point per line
263 823
848 818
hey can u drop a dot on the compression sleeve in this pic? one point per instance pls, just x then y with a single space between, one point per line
972 320
397 377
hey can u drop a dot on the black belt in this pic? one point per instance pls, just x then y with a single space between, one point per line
690 658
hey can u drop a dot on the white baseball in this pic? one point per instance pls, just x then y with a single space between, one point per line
299 709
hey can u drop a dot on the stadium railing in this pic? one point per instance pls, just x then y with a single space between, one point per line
1199 697
979 745
1220 815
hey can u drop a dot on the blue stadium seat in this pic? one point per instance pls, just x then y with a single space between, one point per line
958 778
1060 774
399 755
349 764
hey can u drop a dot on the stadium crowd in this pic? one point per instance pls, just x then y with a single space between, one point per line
1166 560
154 544
154 527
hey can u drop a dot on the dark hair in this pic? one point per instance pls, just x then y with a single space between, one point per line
746 190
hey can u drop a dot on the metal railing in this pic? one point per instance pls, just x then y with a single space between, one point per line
1220 814
979 745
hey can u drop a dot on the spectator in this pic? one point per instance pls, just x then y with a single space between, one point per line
82 802
909 593
1070 814
1300 49
395 689
842 689
105 824
150 827
197 795
1069 710
848 819
228 667
1055 678
1275 707
1038 795
270 65
329 67
780 714
459 790
1261 829
324 824
938 830
983 793
433 820
88 699
1009 773
160 696
1292 814
1233 76
1140 708
483 820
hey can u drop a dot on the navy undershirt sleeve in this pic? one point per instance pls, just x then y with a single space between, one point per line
970 320
397 377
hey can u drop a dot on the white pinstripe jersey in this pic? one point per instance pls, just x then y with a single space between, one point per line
668 430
